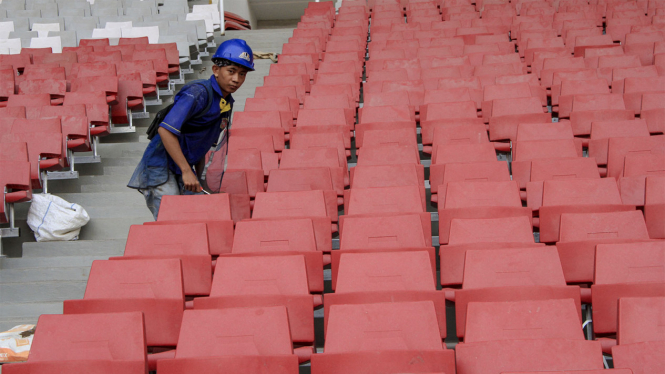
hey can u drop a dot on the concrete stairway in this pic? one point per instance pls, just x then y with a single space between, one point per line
37 280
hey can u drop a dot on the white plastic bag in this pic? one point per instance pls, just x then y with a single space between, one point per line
52 218
13 346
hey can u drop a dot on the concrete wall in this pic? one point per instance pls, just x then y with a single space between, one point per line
241 8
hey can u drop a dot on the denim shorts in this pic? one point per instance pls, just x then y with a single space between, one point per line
173 186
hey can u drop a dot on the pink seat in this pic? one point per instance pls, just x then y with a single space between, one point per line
315 158
520 356
301 140
264 281
189 243
508 91
388 155
569 89
351 341
576 196
304 179
301 83
637 168
602 131
640 358
619 148
555 168
581 232
535 275
15 177
481 234
214 211
412 279
638 318
285 237
622 270
479 200
264 331
529 319
153 287
282 104
400 199
325 117
653 111
300 204
263 119
596 107
493 171
45 151
654 206
525 152
115 343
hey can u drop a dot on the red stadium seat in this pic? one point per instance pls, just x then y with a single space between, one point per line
619 148
535 275
244 340
14 179
285 237
402 199
602 131
315 158
493 171
153 287
581 232
623 270
264 281
576 196
477 234
411 279
115 343
352 340
479 200
388 155
654 207
521 356
653 111
555 168
189 243
529 319
525 152
640 358
213 211
304 179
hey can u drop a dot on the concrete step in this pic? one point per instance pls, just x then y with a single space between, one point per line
74 248
113 228
128 198
45 274
120 161
18 310
105 212
120 150
117 187
106 179
42 291
8 323
120 172
48 262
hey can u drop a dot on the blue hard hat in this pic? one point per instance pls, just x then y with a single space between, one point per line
237 51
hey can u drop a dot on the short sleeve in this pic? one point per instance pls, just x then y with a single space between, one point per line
187 103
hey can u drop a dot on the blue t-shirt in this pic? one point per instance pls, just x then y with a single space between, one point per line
201 134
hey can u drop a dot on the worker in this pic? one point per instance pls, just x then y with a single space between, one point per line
173 162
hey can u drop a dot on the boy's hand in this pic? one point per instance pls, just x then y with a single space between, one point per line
190 181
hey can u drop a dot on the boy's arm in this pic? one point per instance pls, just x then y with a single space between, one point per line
172 146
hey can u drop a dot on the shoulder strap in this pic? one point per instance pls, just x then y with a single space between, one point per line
208 87
205 83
